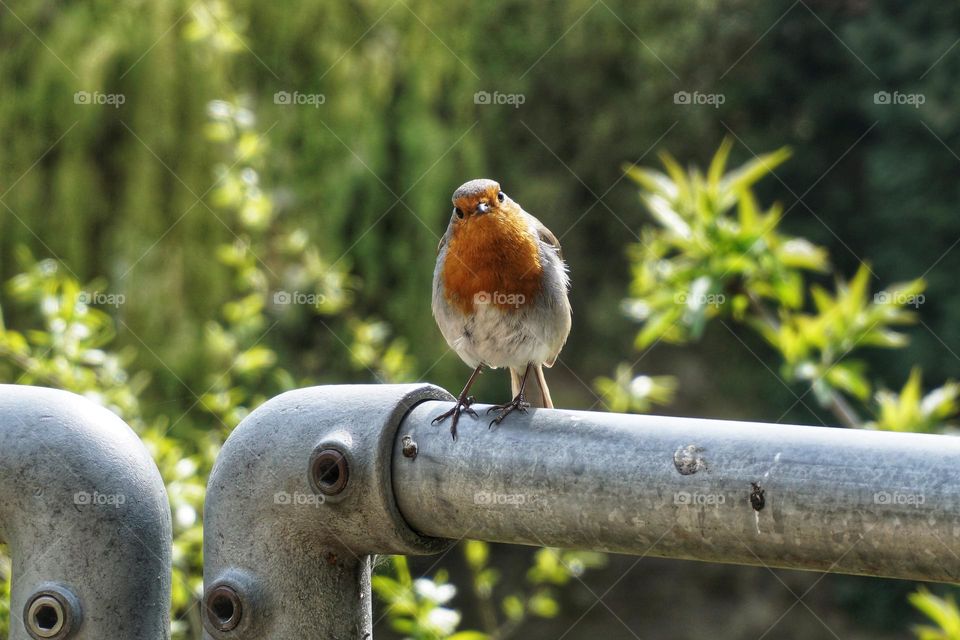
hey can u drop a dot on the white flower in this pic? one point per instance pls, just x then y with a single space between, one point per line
430 590
185 515
445 620
641 386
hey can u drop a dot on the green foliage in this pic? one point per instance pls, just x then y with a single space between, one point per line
942 611
70 344
416 607
912 410
713 251
627 392
551 570
70 333
227 293
715 255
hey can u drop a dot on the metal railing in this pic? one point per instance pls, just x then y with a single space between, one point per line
84 513
316 481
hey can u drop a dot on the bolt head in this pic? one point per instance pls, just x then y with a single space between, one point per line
329 471
50 614
409 447
223 608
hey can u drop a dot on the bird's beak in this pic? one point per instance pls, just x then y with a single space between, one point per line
483 207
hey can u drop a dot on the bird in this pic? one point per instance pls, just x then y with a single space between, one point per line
500 296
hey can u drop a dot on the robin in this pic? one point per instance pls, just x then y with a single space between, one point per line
500 295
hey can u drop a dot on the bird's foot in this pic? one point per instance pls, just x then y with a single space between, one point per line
462 406
505 409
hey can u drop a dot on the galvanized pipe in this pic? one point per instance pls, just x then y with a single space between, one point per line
298 501
839 500
316 481
85 515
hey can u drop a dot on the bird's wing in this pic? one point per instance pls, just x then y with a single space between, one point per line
546 235
443 241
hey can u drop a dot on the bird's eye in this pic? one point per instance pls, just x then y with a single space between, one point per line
500 196
458 211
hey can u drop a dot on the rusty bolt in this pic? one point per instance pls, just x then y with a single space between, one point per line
329 471
223 608
409 447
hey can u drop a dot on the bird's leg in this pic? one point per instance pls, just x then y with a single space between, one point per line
518 402
463 404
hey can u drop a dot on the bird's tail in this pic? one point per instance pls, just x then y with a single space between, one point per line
536 392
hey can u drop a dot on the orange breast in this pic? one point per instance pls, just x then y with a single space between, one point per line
492 259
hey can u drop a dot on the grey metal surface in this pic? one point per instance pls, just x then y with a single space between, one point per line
85 515
286 557
862 502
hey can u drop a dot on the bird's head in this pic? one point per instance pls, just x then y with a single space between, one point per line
480 197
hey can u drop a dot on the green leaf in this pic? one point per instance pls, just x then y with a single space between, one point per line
676 173
942 611
476 553
849 376
719 164
543 605
754 170
513 608
661 210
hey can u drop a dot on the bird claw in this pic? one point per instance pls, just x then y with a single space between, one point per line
467 406
505 409
462 406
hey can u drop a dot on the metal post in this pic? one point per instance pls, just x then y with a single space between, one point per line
299 499
84 512
840 500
